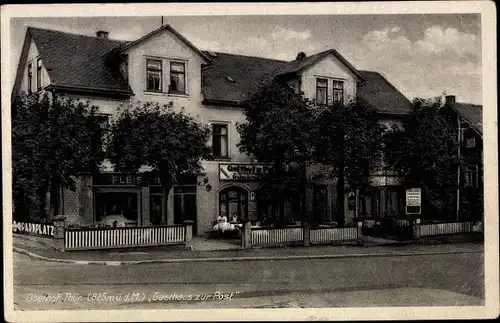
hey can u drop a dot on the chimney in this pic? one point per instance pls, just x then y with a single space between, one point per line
102 34
450 99
300 55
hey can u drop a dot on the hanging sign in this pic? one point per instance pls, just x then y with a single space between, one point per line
413 201
231 172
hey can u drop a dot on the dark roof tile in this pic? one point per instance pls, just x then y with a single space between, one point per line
472 113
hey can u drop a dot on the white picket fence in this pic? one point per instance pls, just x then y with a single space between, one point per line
433 229
266 237
105 238
327 235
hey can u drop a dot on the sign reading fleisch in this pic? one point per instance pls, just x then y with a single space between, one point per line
413 200
35 228
245 172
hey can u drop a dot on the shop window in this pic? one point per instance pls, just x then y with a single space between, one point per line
117 204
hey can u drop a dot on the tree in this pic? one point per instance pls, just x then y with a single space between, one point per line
168 142
51 144
277 130
349 143
423 150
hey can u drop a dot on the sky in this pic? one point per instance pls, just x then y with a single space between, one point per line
421 55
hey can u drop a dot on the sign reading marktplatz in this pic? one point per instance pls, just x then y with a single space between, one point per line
413 201
34 228
242 171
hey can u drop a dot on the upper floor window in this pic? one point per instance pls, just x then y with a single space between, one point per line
471 176
177 77
100 124
154 73
470 142
30 78
219 140
321 91
338 91
39 74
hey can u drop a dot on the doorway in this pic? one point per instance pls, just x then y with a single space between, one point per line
185 205
233 201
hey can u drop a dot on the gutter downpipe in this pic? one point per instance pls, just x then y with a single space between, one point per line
458 173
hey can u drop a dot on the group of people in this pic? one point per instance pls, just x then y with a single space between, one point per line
223 225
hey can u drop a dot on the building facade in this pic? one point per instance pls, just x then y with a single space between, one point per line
163 66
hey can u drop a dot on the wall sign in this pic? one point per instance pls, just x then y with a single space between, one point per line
36 228
231 172
413 201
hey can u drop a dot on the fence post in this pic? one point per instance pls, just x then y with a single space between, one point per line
246 239
307 233
59 232
416 229
360 232
188 233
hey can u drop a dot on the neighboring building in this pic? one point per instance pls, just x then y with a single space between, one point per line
163 66
469 122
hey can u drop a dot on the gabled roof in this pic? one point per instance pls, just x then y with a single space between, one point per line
301 64
77 61
246 72
472 113
379 93
173 31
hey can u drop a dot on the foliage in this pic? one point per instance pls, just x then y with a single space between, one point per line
423 150
51 144
158 137
277 130
349 141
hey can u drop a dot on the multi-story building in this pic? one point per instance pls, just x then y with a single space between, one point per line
163 66
468 119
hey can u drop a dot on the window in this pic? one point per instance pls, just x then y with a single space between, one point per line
101 130
471 176
39 74
470 142
219 140
30 78
154 75
338 91
177 78
321 91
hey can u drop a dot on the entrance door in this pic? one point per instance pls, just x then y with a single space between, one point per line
320 203
185 205
233 201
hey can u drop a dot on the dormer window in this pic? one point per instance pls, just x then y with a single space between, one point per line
177 78
30 78
39 74
322 91
154 73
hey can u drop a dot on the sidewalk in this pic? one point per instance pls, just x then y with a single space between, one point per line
41 249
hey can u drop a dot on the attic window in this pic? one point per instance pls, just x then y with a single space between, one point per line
230 79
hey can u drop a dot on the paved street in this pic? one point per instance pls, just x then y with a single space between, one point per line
440 280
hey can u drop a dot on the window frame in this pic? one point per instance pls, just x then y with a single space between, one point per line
156 70
318 79
39 74
30 78
218 138
183 73
472 170
100 120
337 90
